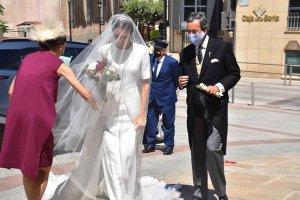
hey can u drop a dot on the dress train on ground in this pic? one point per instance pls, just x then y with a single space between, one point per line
151 189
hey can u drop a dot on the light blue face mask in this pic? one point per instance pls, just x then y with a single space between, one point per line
197 38
65 59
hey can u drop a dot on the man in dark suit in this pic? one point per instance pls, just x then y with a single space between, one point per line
162 98
211 62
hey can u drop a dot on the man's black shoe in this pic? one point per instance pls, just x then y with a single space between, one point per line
197 198
223 198
168 151
149 149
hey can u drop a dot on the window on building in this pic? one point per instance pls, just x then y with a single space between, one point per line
294 16
88 13
293 58
191 6
194 6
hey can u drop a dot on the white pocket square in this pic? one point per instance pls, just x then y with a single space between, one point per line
214 60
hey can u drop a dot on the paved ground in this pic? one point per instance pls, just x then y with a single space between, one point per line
263 159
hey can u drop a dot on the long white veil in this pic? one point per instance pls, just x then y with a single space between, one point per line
115 68
95 69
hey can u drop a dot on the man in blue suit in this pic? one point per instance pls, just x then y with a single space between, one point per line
162 98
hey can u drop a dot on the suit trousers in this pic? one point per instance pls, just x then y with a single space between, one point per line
207 155
168 120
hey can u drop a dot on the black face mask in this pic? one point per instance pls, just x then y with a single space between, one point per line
156 53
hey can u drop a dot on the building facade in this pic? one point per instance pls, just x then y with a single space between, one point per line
268 32
265 34
80 17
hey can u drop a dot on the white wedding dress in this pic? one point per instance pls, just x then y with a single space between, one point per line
109 164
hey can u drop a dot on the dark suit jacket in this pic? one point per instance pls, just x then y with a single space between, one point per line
163 87
219 66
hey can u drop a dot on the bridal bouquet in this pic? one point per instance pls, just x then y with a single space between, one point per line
97 70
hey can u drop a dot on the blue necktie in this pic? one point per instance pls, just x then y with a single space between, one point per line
155 68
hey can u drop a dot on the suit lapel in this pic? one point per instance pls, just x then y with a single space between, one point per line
193 68
209 53
152 62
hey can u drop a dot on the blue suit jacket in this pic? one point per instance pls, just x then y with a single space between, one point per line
163 87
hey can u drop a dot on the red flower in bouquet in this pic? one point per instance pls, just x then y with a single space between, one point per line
100 67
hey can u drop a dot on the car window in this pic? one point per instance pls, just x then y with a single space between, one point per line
12 58
72 52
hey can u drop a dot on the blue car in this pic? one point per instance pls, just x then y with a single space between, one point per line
12 51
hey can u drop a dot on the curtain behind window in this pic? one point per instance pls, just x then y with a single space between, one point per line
78 16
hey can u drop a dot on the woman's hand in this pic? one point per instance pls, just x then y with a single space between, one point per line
140 121
92 102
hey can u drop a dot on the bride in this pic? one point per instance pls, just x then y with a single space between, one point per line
116 69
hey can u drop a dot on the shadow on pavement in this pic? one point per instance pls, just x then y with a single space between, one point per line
187 191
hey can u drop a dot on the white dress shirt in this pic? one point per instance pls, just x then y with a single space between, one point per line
161 60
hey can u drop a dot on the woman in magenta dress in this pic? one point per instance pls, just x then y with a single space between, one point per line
28 139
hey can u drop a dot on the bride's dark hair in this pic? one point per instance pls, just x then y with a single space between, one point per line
124 23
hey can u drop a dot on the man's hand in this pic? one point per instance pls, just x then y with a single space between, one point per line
182 81
212 89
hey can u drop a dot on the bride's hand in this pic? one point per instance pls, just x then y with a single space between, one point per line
140 121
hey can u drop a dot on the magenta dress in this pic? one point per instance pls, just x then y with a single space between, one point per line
28 140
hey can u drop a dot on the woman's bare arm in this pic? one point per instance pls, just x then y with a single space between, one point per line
144 96
140 121
65 70
11 88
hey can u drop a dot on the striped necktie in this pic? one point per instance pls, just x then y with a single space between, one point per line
199 54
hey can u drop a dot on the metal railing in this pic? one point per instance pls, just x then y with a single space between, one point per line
285 74
255 85
293 21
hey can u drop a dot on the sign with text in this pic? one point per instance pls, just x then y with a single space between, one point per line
259 16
